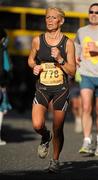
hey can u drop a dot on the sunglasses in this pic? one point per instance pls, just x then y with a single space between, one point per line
93 12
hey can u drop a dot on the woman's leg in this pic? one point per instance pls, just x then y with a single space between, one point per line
38 118
58 136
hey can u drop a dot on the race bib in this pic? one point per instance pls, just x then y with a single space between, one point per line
51 74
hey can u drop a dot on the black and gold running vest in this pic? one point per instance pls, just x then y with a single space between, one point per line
52 73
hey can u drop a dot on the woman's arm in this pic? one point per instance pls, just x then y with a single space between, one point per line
70 66
32 55
31 60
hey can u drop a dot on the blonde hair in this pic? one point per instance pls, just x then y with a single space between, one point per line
59 10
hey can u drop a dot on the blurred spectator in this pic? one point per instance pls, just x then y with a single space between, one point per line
5 67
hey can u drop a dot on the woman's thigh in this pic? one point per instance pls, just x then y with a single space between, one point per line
38 114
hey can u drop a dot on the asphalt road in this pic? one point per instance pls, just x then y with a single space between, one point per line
19 159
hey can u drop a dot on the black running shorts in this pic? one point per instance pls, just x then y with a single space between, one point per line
58 94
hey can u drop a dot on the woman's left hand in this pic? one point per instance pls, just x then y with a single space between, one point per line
55 52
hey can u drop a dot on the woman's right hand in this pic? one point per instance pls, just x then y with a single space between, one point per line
37 69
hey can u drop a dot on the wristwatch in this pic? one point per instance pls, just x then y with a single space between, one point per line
61 61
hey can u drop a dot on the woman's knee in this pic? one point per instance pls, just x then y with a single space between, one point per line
37 125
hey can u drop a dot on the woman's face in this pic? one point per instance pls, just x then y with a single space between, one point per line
53 20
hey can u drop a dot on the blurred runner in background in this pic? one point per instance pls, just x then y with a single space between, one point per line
86 42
